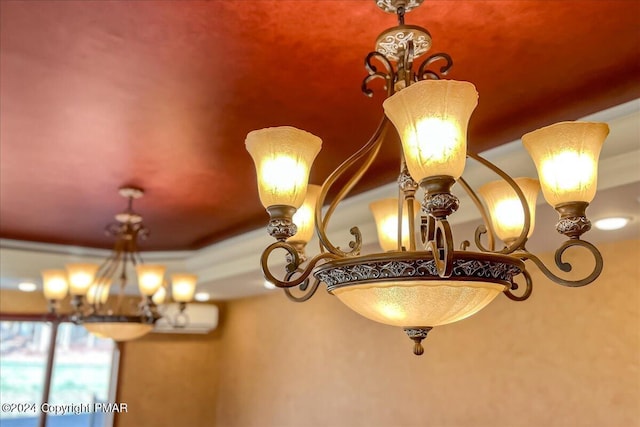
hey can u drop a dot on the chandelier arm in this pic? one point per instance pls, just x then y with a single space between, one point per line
399 222
407 188
487 228
308 292
108 267
424 74
518 243
292 266
371 148
389 75
407 63
442 248
514 286
567 267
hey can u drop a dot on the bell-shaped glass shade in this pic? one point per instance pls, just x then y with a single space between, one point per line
160 296
419 302
283 157
150 278
385 213
431 117
118 331
505 209
54 284
304 218
566 157
183 286
98 293
80 277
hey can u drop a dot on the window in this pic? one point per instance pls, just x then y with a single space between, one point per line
83 373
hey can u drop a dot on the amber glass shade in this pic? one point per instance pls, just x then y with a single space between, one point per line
283 157
419 302
385 213
505 209
150 278
118 331
183 286
304 218
566 157
431 117
160 296
98 293
80 277
54 284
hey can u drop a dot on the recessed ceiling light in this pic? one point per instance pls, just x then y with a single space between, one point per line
612 223
202 296
269 285
27 286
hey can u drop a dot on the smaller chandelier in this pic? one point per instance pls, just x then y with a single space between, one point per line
420 280
90 284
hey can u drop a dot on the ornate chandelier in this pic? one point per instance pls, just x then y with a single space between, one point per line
420 281
90 284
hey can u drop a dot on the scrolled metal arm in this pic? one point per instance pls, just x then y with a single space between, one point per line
567 267
369 152
517 244
389 75
304 287
424 74
292 267
527 290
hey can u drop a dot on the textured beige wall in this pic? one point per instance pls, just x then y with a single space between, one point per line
565 357
14 301
169 380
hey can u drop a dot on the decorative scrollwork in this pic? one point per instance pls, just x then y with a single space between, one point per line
281 228
393 43
406 183
514 286
307 292
442 248
292 267
464 266
391 6
424 74
440 205
368 152
388 75
516 244
573 226
565 266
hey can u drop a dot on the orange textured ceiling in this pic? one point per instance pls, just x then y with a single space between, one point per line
160 94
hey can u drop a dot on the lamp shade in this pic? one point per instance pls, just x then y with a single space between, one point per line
283 157
80 277
54 284
118 331
566 157
431 117
304 218
98 293
385 213
150 278
183 286
419 302
160 296
505 209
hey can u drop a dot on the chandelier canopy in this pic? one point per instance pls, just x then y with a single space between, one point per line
420 281
90 284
